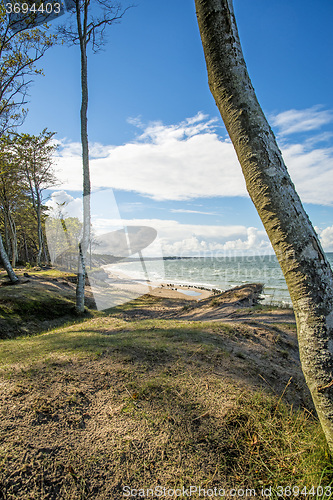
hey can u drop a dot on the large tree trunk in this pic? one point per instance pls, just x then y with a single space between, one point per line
304 265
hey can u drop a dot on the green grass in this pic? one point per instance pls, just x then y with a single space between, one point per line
101 335
271 306
170 419
276 445
30 305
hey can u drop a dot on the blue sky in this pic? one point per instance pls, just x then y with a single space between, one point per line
157 141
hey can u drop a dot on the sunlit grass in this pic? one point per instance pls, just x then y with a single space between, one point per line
103 334
191 425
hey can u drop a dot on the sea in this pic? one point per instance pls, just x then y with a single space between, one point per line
219 273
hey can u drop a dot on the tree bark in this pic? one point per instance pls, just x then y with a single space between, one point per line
297 247
82 32
26 249
39 228
13 239
8 246
6 264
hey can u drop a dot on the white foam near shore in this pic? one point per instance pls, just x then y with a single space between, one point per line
156 280
212 274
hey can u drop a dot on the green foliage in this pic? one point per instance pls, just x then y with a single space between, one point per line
63 235
19 53
25 171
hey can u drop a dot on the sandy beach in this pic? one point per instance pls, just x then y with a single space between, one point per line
186 292
125 285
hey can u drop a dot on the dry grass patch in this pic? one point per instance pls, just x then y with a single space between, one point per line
93 407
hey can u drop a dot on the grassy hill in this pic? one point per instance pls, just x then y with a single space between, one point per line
43 299
143 396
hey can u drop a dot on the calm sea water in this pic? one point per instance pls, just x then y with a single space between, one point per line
221 273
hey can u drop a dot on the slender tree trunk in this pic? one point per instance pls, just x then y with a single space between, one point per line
26 249
40 233
303 262
7 237
14 252
6 264
13 239
47 259
85 161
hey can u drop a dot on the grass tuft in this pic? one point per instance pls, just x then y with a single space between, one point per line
107 402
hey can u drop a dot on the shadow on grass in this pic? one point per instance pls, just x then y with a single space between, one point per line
37 305
218 347
174 433
145 342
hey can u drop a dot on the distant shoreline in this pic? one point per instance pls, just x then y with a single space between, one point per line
158 288
114 259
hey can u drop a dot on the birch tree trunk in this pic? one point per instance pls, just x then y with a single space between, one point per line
40 235
7 237
89 28
26 249
12 226
38 204
297 247
82 33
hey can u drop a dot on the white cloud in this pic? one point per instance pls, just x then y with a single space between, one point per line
197 240
311 171
96 150
58 202
183 211
180 239
326 238
188 160
177 162
293 120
